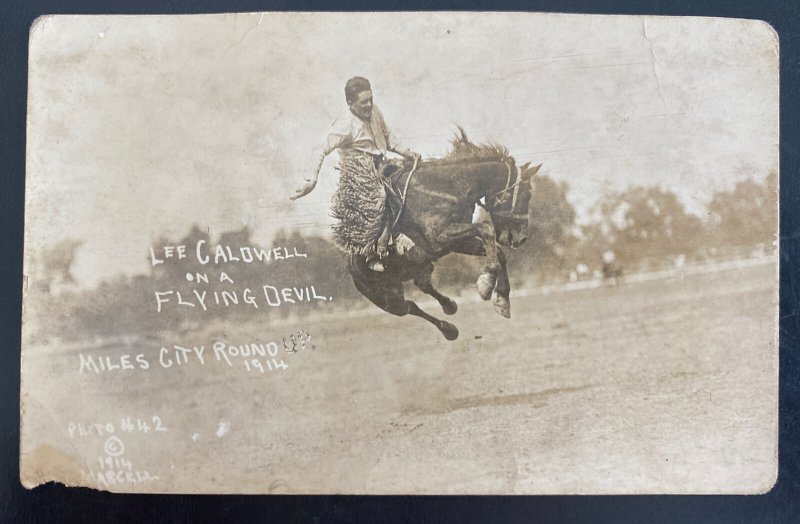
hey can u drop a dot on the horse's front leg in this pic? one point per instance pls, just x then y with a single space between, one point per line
460 234
502 288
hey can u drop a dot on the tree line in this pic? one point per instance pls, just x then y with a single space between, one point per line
646 227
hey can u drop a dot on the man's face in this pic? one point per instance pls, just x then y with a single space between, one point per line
362 105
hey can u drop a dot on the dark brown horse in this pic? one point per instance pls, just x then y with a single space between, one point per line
437 217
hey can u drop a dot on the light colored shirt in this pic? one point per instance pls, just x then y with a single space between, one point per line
351 135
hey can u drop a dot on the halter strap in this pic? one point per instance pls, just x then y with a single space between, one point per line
497 199
516 189
501 195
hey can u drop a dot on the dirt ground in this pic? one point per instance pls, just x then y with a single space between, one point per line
661 386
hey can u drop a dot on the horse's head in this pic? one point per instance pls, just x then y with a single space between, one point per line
509 209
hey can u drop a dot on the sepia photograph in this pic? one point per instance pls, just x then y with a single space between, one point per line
401 253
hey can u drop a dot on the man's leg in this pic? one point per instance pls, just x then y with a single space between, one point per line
382 244
382 247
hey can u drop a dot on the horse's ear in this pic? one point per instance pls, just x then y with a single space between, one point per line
528 173
525 166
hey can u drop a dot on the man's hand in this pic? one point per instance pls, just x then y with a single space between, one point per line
305 189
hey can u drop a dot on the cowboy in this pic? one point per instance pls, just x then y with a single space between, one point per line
362 131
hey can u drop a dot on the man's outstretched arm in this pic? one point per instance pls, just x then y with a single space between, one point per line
336 138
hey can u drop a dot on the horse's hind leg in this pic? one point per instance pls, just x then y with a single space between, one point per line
423 282
449 331
409 307
387 294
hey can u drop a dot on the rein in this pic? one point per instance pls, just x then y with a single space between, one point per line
405 192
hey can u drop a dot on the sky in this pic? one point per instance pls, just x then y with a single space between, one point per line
140 127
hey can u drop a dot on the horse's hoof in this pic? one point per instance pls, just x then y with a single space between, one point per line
449 331
450 307
486 284
502 306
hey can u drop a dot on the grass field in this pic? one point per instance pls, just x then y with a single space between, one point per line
667 385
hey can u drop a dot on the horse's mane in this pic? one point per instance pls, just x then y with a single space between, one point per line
463 150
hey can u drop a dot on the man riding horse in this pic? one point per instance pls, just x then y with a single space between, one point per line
431 206
360 133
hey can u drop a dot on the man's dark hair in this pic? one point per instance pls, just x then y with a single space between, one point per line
354 86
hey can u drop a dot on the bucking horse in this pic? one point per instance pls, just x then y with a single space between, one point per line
434 206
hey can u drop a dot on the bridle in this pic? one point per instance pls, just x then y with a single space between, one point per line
501 196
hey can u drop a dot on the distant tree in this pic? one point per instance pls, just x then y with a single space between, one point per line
747 214
57 265
591 241
324 265
170 270
118 307
648 223
550 237
125 304
455 270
